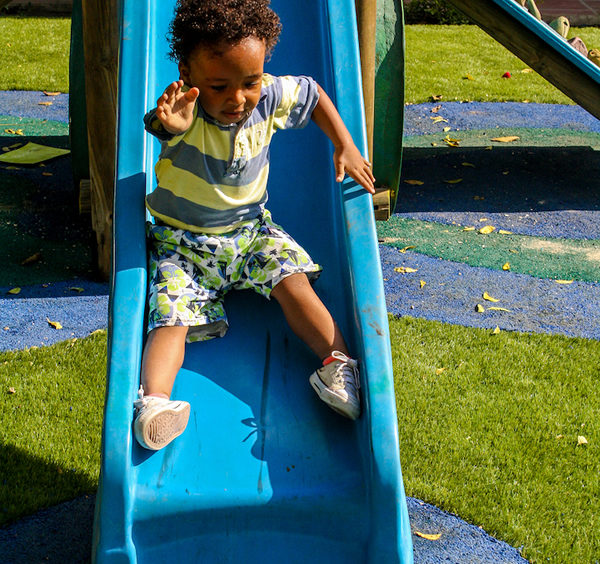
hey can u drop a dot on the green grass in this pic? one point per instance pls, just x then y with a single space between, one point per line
50 427
439 58
489 428
35 53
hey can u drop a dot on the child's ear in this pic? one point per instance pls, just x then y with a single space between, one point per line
184 72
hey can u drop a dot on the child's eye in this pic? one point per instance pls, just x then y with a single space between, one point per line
252 84
218 88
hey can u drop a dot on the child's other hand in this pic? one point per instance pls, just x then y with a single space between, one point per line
348 160
175 108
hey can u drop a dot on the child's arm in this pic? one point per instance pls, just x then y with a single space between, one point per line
346 157
175 108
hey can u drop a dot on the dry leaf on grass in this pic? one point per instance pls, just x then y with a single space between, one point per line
505 139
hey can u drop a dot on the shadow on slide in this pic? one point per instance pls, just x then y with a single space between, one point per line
264 472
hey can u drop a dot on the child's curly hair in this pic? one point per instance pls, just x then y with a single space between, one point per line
210 22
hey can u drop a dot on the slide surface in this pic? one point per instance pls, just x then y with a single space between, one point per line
539 46
264 472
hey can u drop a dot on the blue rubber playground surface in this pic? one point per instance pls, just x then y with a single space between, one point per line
541 189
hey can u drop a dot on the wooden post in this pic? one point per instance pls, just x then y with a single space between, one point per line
101 48
366 14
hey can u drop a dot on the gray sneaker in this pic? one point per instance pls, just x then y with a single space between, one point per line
337 384
158 420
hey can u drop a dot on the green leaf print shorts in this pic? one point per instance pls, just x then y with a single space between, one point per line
190 273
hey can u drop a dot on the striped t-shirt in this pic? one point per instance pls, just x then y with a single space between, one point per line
213 177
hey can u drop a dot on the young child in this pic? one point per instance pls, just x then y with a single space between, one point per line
212 232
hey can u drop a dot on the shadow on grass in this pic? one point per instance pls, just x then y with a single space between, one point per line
504 179
28 483
40 224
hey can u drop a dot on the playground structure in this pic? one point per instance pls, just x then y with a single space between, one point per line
264 470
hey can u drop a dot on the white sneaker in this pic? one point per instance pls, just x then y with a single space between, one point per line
158 420
337 384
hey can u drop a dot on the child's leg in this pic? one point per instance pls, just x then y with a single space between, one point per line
162 359
337 382
308 317
158 421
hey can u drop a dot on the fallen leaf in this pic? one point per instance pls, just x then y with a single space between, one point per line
31 259
431 537
468 77
506 139
513 251
54 324
404 249
496 331
44 103
487 229
494 308
488 148
76 289
422 283
47 174
446 129
479 308
489 298
504 232
439 371
404 269
436 109
51 93
11 390
525 71
559 437
506 266
14 131
414 182
454 181
581 440
479 198
564 281
438 119
436 97
14 291
451 142
468 164
468 229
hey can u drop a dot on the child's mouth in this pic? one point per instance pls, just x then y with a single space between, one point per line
234 116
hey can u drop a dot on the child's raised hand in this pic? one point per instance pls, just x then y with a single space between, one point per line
175 108
348 160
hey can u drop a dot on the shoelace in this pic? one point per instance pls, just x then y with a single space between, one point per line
346 372
141 401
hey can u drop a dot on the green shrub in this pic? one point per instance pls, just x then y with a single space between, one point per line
432 12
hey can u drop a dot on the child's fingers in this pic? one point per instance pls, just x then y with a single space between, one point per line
339 171
191 94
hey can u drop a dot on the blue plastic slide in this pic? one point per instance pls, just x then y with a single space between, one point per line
265 472
539 46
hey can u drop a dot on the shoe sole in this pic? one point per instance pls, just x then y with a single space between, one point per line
158 431
330 398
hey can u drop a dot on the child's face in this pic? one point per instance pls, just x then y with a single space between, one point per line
229 78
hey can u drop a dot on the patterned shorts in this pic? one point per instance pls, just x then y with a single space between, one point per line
190 273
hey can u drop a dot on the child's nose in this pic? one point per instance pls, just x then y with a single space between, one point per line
238 97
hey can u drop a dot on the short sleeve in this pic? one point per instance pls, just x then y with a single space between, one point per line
296 98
